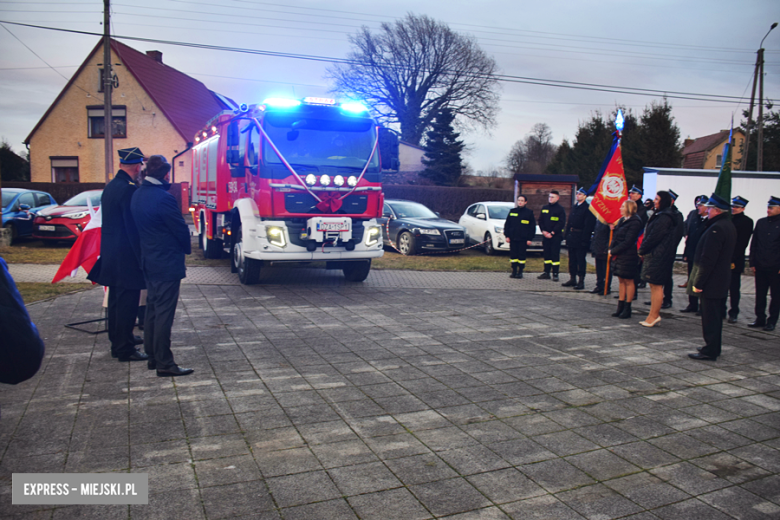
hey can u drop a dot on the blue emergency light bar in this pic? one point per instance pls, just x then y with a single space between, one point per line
354 107
281 102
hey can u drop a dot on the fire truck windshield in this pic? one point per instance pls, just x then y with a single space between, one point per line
302 140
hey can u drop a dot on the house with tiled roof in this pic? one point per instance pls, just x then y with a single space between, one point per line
706 153
154 107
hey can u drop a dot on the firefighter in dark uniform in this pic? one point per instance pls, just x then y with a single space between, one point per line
765 263
636 194
519 230
579 229
744 225
552 220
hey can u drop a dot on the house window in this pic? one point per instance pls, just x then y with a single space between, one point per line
718 160
64 169
101 81
96 122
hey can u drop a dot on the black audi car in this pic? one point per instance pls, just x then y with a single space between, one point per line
413 228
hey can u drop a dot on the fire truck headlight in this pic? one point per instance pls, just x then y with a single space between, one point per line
325 180
373 235
352 181
275 236
311 179
338 180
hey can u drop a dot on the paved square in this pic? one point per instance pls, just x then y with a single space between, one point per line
411 396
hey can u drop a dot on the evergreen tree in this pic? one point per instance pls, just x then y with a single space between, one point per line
442 159
12 166
660 137
771 152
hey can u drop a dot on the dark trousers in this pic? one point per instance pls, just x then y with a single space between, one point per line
767 281
734 295
712 324
668 286
517 253
601 274
552 253
161 300
122 312
693 301
578 261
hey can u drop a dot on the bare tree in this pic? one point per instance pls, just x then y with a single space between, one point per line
533 153
412 69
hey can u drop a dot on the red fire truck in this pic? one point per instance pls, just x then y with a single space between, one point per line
289 181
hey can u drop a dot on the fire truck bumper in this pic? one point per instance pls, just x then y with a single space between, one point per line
303 255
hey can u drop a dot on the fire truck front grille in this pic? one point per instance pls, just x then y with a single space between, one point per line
355 204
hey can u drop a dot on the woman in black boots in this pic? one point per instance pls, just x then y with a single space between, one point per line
625 257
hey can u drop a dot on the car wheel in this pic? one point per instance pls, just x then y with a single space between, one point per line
211 248
406 243
489 249
248 269
357 271
14 232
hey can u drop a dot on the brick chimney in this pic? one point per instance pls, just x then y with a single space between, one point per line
688 142
155 55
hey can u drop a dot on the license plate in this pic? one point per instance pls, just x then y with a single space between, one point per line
46 228
458 241
332 226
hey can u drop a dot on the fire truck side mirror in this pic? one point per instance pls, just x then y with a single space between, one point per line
233 135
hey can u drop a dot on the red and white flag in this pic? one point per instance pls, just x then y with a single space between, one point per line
86 250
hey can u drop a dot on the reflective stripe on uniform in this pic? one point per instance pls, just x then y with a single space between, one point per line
549 262
554 263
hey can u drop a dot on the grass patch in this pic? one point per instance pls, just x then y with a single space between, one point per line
33 292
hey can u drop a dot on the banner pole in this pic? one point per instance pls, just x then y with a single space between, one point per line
606 276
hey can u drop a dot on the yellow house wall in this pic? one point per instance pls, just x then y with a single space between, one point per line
64 132
711 162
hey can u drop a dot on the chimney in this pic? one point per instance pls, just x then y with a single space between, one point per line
155 55
688 142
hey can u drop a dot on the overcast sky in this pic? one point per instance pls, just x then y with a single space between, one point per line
695 47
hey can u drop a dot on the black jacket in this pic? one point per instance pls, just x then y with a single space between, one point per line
623 247
744 227
679 230
552 219
765 247
712 262
165 237
579 226
600 243
659 247
119 264
520 224
641 212
694 229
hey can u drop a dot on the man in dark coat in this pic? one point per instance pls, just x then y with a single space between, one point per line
600 247
744 227
711 275
694 227
165 239
579 229
765 263
636 193
679 233
519 231
118 267
552 221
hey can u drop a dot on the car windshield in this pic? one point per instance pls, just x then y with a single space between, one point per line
8 196
412 210
498 212
81 199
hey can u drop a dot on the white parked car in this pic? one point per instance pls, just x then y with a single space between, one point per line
484 222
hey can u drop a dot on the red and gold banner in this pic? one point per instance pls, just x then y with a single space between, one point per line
611 190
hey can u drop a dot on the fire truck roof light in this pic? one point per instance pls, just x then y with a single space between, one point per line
354 107
319 101
282 102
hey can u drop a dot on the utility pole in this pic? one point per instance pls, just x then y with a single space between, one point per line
758 77
108 130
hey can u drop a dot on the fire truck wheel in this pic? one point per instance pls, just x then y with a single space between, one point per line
406 243
248 269
489 249
357 271
211 248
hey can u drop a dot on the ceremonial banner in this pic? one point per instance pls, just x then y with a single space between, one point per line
86 249
723 188
609 190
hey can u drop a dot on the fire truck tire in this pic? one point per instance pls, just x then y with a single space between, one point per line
248 269
406 243
357 271
211 248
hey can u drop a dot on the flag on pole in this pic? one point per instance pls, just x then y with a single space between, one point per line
610 191
723 188
86 250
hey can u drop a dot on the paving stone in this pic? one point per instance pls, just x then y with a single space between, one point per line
364 478
689 478
602 464
333 455
393 504
647 490
505 485
330 510
644 455
598 501
740 503
304 488
542 508
227 470
556 475
448 497
420 469
565 443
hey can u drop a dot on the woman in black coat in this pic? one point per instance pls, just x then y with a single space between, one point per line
624 256
658 250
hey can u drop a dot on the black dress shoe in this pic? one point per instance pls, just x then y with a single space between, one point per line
699 349
555 278
688 309
701 357
135 356
151 364
769 327
175 371
596 290
732 319
648 303
544 276
757 324
138 340
666 305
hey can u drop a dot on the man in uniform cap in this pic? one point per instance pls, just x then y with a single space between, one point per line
744 227
710 276
636 193
765 263
579 229
118 267
552 221
694 228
